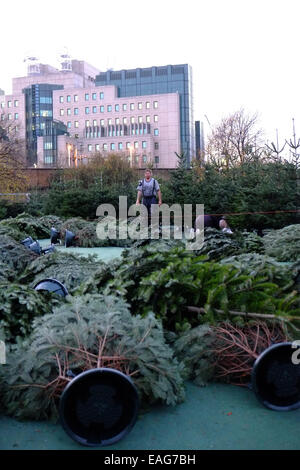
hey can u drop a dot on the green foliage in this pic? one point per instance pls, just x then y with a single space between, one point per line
19 305
68 268
254 264
122 277
10 208
211 286
218 244
6 273
193 351
86 233
73 199
14 255
284 244
25 225
75 329
251 187
165 278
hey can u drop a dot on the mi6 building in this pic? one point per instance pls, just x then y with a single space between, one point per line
65 117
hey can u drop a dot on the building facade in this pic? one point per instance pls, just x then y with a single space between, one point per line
67 116
159 80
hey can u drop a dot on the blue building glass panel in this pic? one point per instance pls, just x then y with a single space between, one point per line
157 80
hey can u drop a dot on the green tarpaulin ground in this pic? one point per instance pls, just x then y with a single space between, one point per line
214 417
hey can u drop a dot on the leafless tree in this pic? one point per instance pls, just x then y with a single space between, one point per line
12 158
235 140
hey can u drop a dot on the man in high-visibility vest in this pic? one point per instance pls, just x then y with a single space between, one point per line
148 189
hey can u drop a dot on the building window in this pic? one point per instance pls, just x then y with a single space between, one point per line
9 116
124 120
61 112
16 103
69 125
9 104
2 105
69 98
61 99
140 106
76 124
132 120
131 106
75 110
109 108
147 104
156 159
104 146
2 117
94 96
87 110
101 109
144 144
46 112
155 104
116 107
112 146
120 146
156 145
101 95
94 109
155 118
48 145
128 146
86 97
136 145
75 98
16 116
156 132
147 118
87 123
117 121
144 158
140 119
90 147
46 99
109 121
124 107
101 122
94 123
69 111
97 146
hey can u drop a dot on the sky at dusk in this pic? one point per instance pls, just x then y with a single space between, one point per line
243 53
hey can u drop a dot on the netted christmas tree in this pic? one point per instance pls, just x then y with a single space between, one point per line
68 268
283 244
88 332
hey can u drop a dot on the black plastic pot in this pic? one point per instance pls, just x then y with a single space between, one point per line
35 247
69 238
99 407
27 241
54 236
52 285
275 378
